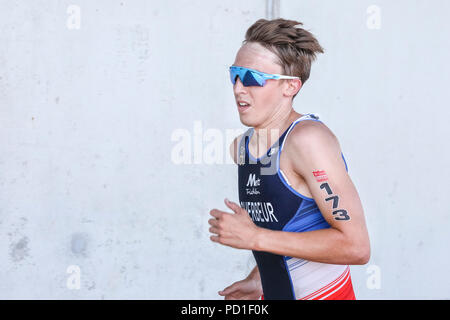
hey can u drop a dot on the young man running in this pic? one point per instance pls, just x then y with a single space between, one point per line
299 211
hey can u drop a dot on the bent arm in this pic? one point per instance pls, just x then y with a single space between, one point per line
318 160
325 245
254 274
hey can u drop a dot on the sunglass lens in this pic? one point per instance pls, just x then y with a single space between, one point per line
253 79
233 74
248 78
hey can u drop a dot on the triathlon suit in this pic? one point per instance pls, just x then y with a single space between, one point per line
273 204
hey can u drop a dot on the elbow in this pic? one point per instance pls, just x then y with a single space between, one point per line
360 254
363 257
358 251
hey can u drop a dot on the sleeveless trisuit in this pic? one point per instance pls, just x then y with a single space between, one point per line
273 204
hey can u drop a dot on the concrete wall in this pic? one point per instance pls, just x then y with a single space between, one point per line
92 94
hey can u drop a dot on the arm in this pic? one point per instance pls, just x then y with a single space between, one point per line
248 289
315 148
254 275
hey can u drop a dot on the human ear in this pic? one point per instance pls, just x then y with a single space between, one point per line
294 86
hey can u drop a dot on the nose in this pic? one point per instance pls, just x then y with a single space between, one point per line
238 86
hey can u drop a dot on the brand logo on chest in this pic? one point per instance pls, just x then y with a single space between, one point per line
253 183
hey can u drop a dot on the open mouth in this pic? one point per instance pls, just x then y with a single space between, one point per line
243 106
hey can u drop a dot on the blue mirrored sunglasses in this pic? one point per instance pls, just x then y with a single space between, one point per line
251 77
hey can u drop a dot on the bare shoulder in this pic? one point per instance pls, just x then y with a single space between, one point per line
309 139
234 147
309 132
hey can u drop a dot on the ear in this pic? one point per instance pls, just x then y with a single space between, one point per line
293 86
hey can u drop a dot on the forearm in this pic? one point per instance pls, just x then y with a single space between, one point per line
254 274
325 245
255 277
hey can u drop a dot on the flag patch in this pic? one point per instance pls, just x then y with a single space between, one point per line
320 175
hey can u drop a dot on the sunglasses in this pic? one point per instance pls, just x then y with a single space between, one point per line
251 77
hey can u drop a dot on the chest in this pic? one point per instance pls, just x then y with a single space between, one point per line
265 197
286 158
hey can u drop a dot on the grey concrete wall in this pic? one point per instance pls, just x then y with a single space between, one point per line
92 94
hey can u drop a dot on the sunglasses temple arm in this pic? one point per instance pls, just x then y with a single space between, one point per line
285 77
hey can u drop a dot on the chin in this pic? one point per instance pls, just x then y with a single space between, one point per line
246 121
250 120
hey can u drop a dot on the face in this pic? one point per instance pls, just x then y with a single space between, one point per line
265 101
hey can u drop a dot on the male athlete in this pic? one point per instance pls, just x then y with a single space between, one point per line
299 211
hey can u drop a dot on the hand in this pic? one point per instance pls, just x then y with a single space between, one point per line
236 229
247 289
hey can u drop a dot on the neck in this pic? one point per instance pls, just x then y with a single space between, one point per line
270 131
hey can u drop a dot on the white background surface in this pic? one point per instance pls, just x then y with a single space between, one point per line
87 115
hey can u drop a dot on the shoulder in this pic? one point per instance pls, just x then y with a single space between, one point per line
308 133
234 147
309 140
